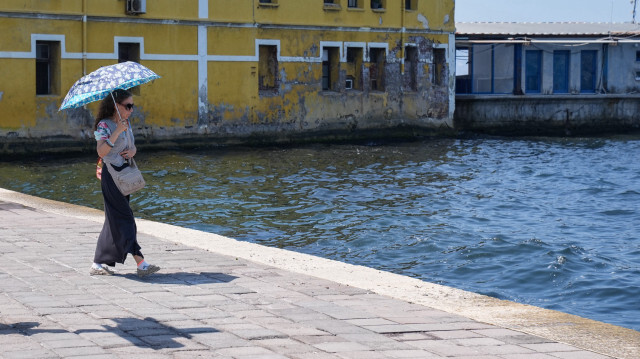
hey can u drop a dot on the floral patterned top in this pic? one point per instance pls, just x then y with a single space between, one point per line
103 132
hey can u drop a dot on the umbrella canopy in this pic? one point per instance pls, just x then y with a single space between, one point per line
101 82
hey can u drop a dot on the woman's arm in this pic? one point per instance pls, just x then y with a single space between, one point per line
103 148
105 139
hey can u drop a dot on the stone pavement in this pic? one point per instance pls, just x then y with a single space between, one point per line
205 304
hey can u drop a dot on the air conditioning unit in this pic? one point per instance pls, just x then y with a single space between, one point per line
135 7
348 84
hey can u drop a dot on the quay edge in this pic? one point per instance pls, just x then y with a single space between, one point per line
532 115
20 147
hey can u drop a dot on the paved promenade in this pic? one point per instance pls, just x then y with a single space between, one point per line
220 298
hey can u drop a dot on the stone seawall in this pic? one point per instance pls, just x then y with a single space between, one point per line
558 115
14 145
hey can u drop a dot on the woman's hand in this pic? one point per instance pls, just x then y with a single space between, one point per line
126 154
122 125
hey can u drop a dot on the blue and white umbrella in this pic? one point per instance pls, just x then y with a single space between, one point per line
101 82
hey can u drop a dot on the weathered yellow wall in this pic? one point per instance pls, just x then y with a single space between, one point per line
43 6
231 41
215 92
158 39
156 9
241 11
17 103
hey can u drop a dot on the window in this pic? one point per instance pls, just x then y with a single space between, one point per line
482 68
561 71
378 4
376 69
354 68
411 68
533 71
439 67
638 56
47 67
354 4
588 64
129 51
330 68
410 4
332 4
463 79
268 68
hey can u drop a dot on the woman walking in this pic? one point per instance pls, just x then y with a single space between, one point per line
115 145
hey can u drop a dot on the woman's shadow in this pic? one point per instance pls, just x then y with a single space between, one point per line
182 278
147 332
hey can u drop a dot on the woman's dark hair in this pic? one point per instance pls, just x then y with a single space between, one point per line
107 108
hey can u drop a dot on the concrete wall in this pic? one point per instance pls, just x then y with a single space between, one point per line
547 115
207 52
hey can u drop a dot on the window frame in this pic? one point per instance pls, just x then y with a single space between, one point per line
50 65
411 57
354 57
410 5
268 3
382 5
439 66
332 5
564 73
354 4
379 66
330 80
125 50
270 53
538 71
593 71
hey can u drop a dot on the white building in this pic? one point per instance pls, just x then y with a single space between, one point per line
547 78
548 58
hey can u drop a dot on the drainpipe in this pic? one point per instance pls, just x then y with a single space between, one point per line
402 56
84 37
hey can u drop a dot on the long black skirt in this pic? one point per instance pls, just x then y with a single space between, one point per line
119 233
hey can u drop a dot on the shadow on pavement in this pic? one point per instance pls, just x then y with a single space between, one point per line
182 278
147 332
26 328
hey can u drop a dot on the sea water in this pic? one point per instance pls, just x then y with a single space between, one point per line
547 222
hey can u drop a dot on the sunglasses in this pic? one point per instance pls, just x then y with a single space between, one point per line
128 106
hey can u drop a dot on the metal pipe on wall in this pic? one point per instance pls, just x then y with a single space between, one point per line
84 37
403 30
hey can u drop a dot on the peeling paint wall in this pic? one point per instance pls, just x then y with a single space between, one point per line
209 53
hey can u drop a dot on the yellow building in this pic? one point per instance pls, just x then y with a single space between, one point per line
232 70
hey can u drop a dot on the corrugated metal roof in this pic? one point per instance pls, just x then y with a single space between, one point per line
546 28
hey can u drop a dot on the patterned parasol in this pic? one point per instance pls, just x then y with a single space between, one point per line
101 82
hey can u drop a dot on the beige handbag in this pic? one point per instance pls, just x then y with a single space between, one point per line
129 179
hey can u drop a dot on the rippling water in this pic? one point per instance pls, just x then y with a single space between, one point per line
548 222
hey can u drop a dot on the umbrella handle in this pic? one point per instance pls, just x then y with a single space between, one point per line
115 105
